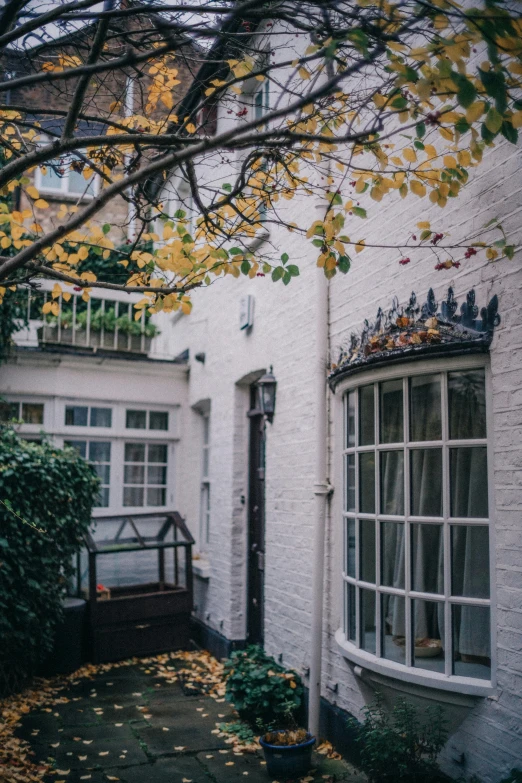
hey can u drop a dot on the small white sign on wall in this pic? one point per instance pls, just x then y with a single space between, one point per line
246 312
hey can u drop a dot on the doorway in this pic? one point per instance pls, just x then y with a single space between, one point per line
256 522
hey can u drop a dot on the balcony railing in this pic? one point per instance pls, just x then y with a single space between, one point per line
105 322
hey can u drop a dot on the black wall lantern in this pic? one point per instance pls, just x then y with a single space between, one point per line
266 394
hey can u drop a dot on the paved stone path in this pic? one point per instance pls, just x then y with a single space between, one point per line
128 725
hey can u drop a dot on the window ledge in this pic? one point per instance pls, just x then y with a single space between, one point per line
371 666
201 569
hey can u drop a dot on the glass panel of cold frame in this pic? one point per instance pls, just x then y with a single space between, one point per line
392 554
32 413
472 641
76 415
428 634
158 420
350 612
393 641
470 561
136 420
350 482
350 547
101 417
366 416
427 558
467 404
350 419
392 424
426 482
425 408
392 482
367 482
469 482
367 550
368 635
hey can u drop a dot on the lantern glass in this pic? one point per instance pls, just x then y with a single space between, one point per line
266 392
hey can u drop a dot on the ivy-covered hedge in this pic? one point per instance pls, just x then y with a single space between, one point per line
41 488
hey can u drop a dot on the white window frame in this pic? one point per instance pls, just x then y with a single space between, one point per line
205 488
350 650
63 190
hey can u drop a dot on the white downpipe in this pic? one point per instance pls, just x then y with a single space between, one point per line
128 112
322 490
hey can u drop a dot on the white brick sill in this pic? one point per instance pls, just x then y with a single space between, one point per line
201 569
369 664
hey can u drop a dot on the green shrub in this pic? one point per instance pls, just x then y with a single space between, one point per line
53 490
262 692
402 745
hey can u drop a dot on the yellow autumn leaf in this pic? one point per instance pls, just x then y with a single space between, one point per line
41 203
417 188
191 127
359 247
31 191
493 120
424 224
475 111
449 161
516 119
409 155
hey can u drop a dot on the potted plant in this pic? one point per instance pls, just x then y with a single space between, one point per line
288 752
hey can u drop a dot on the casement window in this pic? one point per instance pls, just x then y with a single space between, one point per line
261 100
145 474
204 513
28 412
65 177
83 416
144 419
416 582
98 453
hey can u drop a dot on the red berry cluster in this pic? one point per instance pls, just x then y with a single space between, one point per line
436 238
447 265
404 261
470 252
242 112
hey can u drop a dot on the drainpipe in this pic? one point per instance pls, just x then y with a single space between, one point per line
128 112
322 490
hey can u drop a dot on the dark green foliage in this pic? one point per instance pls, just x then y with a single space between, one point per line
13 317
515 776
242 731
46 488
262 691
402 745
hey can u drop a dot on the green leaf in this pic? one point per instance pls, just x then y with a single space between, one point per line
277 273
227 187
426 234
509 250
493 121
359 211
293 270
245 267
179 214
462 126
466 92
509 132
420 129
418 144
284 258
286 277
495 86
399 102
106 228
235 251
344 264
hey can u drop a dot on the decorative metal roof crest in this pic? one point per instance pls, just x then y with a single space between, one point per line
412 329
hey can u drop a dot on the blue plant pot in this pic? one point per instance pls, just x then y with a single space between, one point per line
288 761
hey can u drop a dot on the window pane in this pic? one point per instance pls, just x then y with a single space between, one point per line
367 549
156 496
9 411
79 445
366 416
101 417
470 561
99 451
103 498
157 474
350 482
49 178
350 419
32 413
133 496
428 632
367 483
136 420
159 420
467 404
157 452
471 641
134 474
426 482
134 452
393 644
350 543
392 554
368 620
350 612
392 426
425 410
76 415
427 558
469 482
104 472
392 482
78 185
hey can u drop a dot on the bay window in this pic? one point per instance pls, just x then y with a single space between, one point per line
416 522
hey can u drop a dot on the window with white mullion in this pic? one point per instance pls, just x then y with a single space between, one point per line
414 449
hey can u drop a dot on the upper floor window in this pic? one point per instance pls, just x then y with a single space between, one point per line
28 412
416 522
261 100
142 420
65 176
85 416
